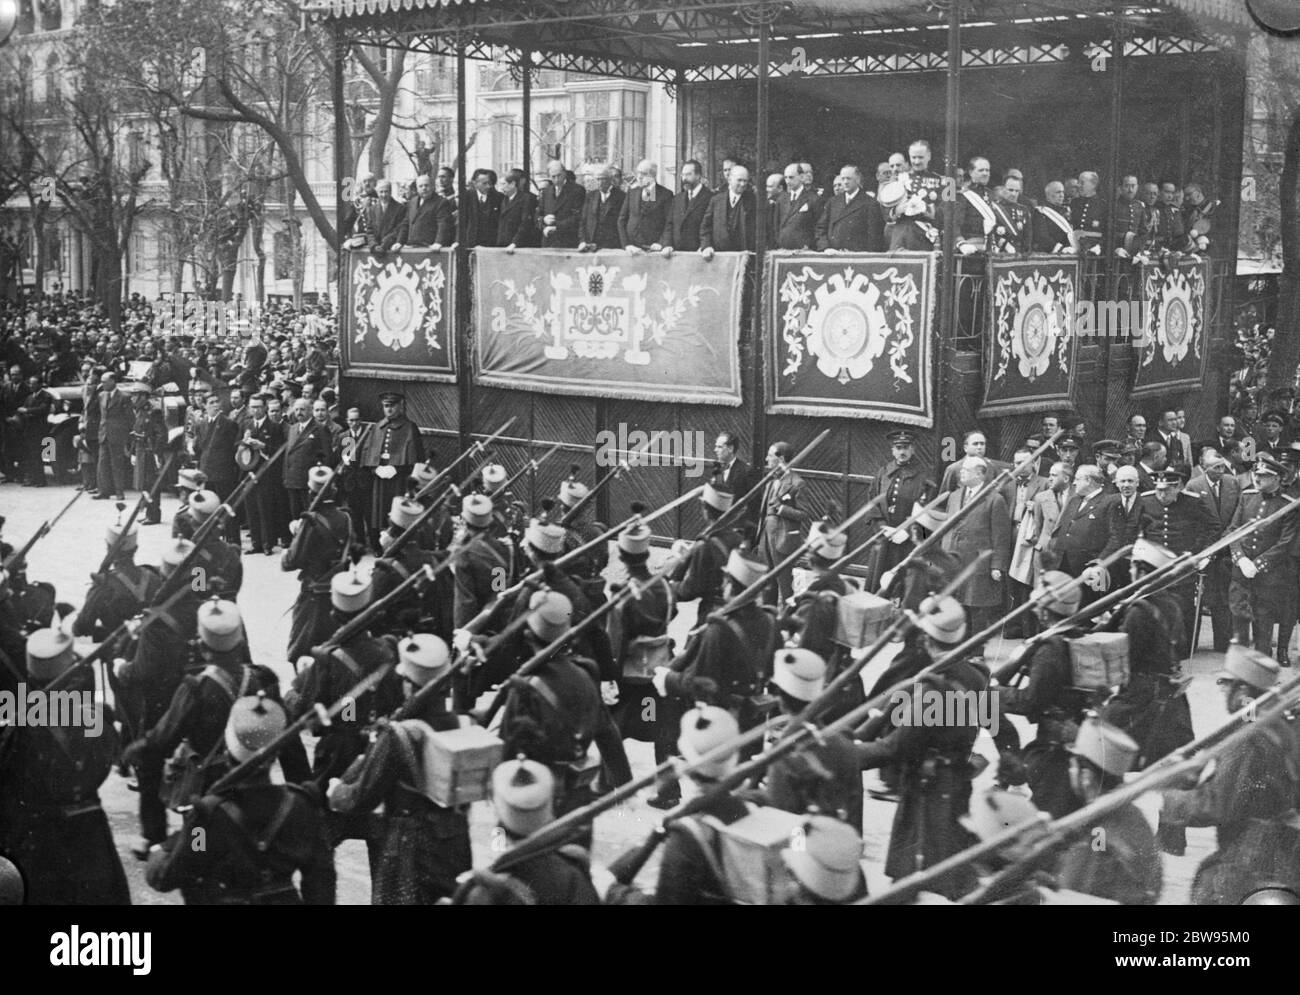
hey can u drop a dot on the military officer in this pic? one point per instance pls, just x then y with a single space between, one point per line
318 551
1290 460
907 484
1052 229
914 218
1180 523
977 219
51 822
1130 219
1013 232
256 834
1088 214
1261 585
424 846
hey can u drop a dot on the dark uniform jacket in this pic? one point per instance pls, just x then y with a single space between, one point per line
1049 234
256 836
728 660
1127 870
556 877
481 574
700 574
118 595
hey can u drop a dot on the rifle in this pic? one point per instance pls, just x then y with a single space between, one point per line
18 555
907 523
951 521
610 476
738 505
533 663
800 733
216 519
479 446
1192 757
536 576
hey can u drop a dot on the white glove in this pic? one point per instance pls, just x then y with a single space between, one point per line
294 526
332 792
886 581
680 549
1247 567
460 640
609 692
118 665
602 880
899 536
1092 577
660 680
1203 565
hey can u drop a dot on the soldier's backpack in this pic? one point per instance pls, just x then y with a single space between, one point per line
1099 661
745 856
451 767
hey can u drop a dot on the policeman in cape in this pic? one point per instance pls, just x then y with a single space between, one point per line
255 834
389 452
557 712
1049 699
523 795
319 550
423 845
123 591
588 569
907 484
201 706
51 823
699 575
727 658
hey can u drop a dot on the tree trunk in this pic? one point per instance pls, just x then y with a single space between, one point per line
1285 355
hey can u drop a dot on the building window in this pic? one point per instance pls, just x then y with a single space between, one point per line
51 15
506 137
552 136
53 81
140 263
442 142
135 153
612 126
434 77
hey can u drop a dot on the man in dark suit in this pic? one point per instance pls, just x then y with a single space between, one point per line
214 445
479 212
1167 435
560 212
384 216
740 477
796 213
115 421
645 209
728 223
782 524
1083 529
682 230
312 438
1154 458
986 528
599 226
1221 442
517 222
429 220
265 436
1217 487
851 221
1123 521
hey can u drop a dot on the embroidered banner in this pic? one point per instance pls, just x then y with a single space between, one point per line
1170 355
849 336
611 324
1029 360
397 315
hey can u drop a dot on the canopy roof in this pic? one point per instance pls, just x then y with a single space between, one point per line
684 41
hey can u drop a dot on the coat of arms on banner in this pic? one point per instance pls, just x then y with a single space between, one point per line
849 336
1029 361
397 300
1171 352
597 312
843 322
